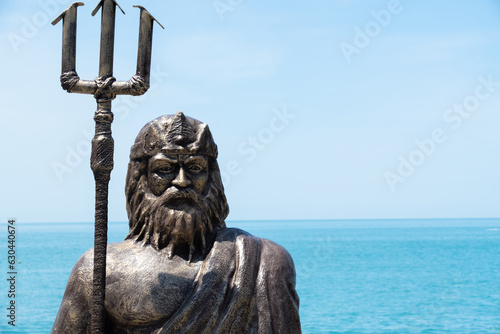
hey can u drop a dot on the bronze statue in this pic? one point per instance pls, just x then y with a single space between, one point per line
180 269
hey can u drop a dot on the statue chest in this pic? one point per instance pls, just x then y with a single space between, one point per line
146 292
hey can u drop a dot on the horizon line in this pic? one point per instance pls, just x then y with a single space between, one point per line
282 220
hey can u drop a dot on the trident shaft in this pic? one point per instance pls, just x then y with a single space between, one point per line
104 88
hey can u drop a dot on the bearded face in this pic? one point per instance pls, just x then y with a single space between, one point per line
175 201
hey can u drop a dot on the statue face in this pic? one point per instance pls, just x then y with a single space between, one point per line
174 189
179 170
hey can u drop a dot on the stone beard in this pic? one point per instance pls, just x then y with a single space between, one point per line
180 269
155 219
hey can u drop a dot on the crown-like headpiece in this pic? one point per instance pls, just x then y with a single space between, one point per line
173 134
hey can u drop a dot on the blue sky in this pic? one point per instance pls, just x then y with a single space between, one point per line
321 109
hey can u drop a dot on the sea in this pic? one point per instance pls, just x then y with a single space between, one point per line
353 276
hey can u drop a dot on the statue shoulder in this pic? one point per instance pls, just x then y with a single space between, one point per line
277 255
74 312
85 263
271 252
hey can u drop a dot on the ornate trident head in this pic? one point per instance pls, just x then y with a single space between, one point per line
70 80
104 88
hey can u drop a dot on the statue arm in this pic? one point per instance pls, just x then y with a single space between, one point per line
74 313
279 302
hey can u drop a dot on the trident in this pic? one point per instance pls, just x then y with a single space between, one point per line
104 88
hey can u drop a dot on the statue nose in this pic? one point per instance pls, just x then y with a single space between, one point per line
181 180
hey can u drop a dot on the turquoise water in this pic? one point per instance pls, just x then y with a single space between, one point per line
406 276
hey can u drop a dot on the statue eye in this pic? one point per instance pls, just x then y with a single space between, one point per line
194 168
165 169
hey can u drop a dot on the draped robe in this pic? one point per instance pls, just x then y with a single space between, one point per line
244 285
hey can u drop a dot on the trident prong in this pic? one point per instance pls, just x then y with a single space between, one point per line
108 15
99 5
104 88
145 44
137 85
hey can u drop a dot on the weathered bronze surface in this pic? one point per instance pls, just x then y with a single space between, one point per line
180 269
104 88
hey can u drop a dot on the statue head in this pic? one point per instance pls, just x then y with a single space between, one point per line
174 191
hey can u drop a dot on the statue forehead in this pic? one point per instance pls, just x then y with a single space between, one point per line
173 135
176 158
